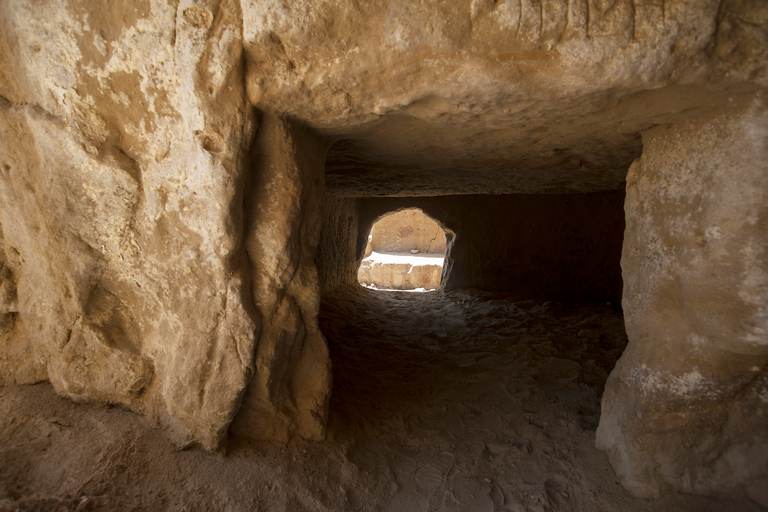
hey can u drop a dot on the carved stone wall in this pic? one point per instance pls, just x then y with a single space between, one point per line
162 196
686 406
405 231
289 393
337 259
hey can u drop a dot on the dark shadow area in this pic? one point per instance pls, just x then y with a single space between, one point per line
486 394
531 246
440 388
542 246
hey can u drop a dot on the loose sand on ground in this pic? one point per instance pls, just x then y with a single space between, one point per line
449 401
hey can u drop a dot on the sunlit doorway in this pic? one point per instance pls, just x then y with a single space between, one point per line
405 251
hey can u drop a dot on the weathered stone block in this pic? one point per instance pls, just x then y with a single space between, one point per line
406 231
687 405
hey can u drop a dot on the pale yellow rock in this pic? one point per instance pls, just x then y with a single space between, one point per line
162 197
108 194
685 408
400 271
406 231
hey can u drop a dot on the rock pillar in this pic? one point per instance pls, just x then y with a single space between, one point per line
686 407
289 392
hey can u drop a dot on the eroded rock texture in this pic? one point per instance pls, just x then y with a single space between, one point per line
123 130
289 393
162 196
337 255
438 98
405 231
687 404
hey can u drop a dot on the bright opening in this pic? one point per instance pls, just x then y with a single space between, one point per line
405 251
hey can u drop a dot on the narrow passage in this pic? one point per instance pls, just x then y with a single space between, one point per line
470 400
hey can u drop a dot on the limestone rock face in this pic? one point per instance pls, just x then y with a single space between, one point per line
337 255
122 132
437 98
162 186
405 231
687 404
289 393
416 272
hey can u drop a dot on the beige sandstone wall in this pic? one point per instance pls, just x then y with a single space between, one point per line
142 265
687 405
405 231
337 259
400 275
122 134
161 195
289 392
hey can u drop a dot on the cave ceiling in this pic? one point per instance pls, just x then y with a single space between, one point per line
435 98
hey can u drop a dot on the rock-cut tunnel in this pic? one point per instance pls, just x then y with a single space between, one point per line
186 194
406 250
590 229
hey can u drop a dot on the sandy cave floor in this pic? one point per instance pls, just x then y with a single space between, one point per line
445 401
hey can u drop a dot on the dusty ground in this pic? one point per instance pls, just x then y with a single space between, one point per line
442 401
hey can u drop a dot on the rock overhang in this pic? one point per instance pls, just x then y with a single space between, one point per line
491 97
568 145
